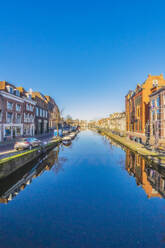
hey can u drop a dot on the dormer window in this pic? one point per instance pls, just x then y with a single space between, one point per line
17 92
10 89
0 114
30 96
155 83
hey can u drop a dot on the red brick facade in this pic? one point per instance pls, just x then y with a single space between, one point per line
137 107
12 112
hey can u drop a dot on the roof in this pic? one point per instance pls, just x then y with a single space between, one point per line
157 91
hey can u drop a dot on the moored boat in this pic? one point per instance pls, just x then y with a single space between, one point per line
66 140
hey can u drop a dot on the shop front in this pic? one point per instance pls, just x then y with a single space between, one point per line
28 129
0 133
11 131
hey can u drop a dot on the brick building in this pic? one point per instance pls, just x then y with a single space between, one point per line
137 104
117 122
157 117
41 116
11 111
28 112
1 114
53 112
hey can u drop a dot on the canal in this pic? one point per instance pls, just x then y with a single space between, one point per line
90 194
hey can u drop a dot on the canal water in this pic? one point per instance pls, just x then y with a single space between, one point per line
92 194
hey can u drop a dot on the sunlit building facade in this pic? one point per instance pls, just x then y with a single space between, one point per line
137 105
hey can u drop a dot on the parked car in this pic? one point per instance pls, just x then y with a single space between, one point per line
21 144
26 143
34 142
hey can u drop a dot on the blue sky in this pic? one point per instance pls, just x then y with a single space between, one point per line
85 54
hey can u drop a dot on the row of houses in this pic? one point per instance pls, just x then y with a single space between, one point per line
115 122
144 116
145 111
25 113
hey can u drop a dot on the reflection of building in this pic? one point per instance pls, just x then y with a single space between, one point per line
136 166
157 180
17 181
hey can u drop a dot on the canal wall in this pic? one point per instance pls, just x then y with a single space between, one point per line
155 157
13 163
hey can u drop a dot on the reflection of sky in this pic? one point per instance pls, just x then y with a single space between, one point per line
92 202
80 53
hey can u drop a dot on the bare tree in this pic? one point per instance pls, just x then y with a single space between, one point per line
59 119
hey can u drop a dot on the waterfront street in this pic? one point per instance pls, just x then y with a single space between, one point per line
82 124
90 194
7 150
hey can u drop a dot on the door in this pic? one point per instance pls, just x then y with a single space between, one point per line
0 134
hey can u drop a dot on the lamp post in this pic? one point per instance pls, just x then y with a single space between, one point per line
147 132
156 123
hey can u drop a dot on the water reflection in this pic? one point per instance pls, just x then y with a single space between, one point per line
144 174
13 184
150 176
95 195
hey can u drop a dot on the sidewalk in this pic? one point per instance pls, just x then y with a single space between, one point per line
156 157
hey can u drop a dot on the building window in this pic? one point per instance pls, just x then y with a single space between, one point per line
18 131
17 92
9 117
18 118
7 131
153 104
29 96
158 114
31 108
44 113
37 111
27 106
155 83
31 118
153 129
158 101
0 115
10 89
136 126
9 105
140 125
153 115
41 112
18 107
